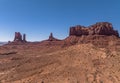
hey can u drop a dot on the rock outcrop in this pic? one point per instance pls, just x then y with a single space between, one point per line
18 37
52 38
100 28
100 34
24 38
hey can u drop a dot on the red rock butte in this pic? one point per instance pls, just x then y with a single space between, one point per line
52 38
19 38
100 28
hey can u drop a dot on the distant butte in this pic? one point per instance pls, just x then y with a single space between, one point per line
18 39
51 38
100 28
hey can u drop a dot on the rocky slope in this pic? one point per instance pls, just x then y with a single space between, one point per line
82 63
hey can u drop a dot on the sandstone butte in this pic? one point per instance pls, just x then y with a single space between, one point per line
88 55
100 28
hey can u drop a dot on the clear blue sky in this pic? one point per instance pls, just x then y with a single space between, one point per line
37 18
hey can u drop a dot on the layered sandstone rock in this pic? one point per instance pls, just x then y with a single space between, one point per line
99 34
18 37
100 28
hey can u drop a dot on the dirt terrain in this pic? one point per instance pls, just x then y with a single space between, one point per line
48 63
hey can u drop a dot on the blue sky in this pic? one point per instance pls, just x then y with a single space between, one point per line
37 18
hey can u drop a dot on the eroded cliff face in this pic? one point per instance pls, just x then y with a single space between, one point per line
18 39
100 28
100 34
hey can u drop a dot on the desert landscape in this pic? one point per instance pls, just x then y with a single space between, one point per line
88 55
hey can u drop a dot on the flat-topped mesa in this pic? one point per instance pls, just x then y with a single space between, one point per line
18 37
78 30
100 28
